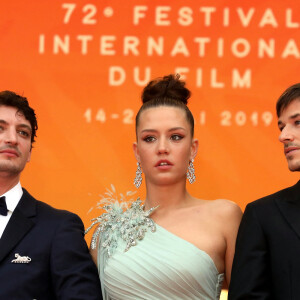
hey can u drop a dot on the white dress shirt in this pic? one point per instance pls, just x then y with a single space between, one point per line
12 198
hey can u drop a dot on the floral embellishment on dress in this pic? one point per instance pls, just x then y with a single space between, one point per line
123 219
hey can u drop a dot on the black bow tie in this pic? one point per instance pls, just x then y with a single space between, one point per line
3 207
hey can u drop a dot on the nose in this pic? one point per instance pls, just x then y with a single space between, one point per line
163 146
11 137
286 135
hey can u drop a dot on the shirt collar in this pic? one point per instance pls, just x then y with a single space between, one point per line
13 197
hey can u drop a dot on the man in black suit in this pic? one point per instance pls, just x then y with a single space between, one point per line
267 259
43 254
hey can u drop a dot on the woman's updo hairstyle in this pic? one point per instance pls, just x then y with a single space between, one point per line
166 91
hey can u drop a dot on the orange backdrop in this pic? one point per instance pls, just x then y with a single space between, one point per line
82 65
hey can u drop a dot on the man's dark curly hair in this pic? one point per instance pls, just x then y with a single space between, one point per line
9 98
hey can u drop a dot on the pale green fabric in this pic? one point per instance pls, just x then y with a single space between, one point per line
161 266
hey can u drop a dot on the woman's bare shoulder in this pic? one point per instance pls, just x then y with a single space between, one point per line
228 213
227 205
221 207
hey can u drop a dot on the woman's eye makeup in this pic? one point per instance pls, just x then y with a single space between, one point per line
176 137
173 137
149 139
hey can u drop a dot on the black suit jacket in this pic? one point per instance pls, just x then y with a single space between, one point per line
60 266
267 259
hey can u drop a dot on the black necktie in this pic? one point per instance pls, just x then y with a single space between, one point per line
3 207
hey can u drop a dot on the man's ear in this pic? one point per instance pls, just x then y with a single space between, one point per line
29 155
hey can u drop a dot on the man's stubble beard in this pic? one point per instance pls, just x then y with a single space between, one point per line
10 169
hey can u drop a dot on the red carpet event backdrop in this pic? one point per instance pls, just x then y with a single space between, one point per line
83 64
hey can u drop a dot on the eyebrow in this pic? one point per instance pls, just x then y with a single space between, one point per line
25 126
18 125
170 130
296 115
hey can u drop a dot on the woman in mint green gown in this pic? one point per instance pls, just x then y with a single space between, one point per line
175 246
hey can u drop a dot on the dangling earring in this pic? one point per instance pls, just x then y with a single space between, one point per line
190 175
138 176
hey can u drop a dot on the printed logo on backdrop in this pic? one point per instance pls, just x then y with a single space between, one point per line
202 52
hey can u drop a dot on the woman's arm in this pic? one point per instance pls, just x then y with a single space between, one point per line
232 217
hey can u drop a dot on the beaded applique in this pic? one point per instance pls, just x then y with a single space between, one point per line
121 220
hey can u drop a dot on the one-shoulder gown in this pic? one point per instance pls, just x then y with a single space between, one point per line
161 266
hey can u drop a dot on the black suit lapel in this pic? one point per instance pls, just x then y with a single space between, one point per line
289 205
21 221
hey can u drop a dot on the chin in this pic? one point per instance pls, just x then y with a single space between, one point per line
10 168
294 167
163 182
